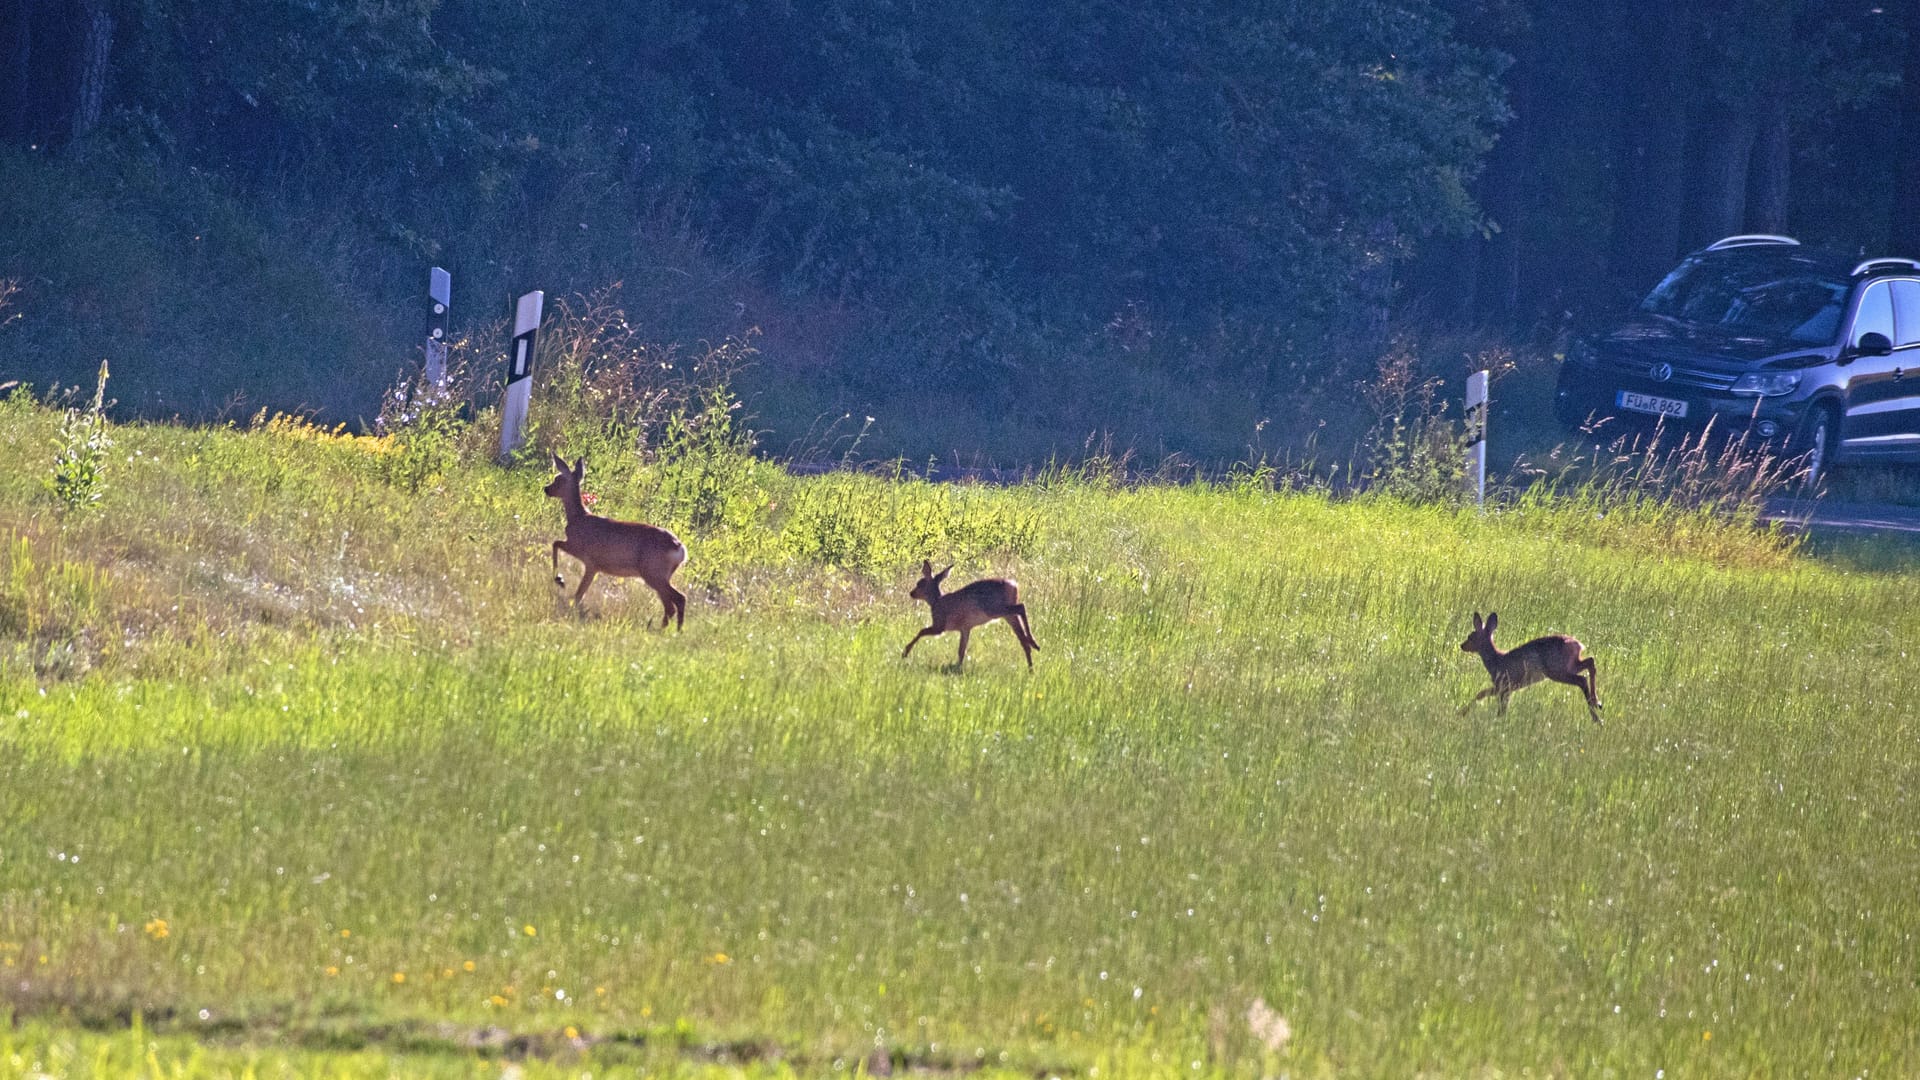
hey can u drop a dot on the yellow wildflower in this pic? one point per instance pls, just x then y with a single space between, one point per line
572 1032
468 966
529 930
157 929
399 977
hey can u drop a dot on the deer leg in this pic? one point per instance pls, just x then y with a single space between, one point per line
1574 678
927 632
1587 665
679 609
1025 627
670 598
586 579
558 547
1487 693
961 662
1013 624
1504 694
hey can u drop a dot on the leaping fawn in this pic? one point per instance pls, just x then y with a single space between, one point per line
969 606
1555 657
618 548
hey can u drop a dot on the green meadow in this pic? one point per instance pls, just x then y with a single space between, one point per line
306 770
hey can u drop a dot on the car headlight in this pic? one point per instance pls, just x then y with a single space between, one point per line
1581 353
1767 383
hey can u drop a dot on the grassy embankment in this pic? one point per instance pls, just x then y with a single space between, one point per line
308 770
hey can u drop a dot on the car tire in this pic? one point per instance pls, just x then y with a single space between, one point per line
1818 438
1565 412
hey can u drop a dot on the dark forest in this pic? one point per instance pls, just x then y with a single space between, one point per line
1168 221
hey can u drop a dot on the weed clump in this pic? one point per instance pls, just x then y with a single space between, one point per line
78 478
873 526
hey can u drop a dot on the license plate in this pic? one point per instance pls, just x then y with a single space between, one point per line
1647 403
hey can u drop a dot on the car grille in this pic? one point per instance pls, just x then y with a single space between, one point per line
1682 376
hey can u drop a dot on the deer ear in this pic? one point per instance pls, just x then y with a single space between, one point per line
579 467
926 568
559 463
1476 620
1493 620
942 575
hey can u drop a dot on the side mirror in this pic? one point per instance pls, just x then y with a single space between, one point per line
1873 343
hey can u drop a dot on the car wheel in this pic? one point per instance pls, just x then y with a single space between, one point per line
1568 408
1819 437
1566 412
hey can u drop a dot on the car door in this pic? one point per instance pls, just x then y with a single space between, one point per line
1872 388
1897 423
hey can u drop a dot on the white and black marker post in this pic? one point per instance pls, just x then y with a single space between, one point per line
513 411
439 299
1477 435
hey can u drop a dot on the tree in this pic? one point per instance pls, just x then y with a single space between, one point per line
1652 173
1904 233
96 49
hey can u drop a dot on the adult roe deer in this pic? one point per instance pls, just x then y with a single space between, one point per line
617 548
969 606
1555 657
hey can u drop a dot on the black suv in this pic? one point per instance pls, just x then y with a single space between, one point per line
1814 353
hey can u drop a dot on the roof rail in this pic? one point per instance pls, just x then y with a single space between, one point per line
1871 265
1751 240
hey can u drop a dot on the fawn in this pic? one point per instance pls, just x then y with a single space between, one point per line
619 548
969 606
1555 657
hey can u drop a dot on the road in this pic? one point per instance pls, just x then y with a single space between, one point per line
1818 514
1849 516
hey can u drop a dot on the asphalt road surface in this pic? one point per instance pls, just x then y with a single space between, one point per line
1819 514
1852 517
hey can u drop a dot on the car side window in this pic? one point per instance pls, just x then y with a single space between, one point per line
1906 312
1875 314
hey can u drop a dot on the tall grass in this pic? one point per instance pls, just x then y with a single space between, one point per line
320 755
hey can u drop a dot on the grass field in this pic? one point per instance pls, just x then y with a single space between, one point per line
304 771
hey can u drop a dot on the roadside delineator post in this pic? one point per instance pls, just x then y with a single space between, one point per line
439 299
1477 435
513 411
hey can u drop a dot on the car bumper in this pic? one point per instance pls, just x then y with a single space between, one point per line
1583 397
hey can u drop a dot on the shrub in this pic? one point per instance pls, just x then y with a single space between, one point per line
424 449
705 473
1414 450
80 458
875 526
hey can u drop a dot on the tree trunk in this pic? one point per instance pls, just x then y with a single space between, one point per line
96 45
1719 151
16 120
1770 171
1504 195
1369 315
1646 224
1905 232
1462 281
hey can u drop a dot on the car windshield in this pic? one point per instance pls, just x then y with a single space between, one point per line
1753 299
